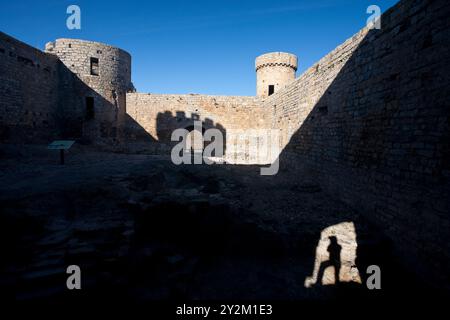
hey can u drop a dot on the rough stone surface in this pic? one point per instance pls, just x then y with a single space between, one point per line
142 228
28 91
371 123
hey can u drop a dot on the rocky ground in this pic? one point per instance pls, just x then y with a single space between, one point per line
141 228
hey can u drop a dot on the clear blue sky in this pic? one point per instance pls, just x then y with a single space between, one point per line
195 46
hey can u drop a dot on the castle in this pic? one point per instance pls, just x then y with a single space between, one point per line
86 92
370 120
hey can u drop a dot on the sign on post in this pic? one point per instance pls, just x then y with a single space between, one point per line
61 145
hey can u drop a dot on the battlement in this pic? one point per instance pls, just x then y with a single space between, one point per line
281 59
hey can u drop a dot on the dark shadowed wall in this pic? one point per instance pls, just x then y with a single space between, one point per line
371 122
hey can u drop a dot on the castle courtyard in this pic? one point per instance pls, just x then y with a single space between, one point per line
146 229
328 181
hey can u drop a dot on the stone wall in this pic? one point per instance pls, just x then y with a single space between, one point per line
290 107
28 91
370 121
160 114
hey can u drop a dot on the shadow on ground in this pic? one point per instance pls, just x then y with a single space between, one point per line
142 229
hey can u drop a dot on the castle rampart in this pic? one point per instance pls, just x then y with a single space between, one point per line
28 92
369 122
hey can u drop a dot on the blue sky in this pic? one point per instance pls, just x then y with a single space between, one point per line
192 46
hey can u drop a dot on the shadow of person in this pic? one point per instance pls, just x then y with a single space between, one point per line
336 248
334 260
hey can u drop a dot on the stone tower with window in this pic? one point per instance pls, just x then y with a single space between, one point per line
97 90
274 70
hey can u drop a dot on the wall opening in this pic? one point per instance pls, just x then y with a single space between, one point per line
89 108
94 66
271 89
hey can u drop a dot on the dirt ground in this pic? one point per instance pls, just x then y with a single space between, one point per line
141 228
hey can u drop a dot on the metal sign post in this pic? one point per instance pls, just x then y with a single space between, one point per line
61 145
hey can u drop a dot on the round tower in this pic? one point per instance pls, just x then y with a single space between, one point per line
98 92
274 70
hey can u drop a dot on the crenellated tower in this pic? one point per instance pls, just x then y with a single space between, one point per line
274 70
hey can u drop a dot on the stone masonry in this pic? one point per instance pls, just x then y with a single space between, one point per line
276 70
370 121
28 92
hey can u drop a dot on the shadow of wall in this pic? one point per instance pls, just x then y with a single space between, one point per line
378 137
166 123
106 124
